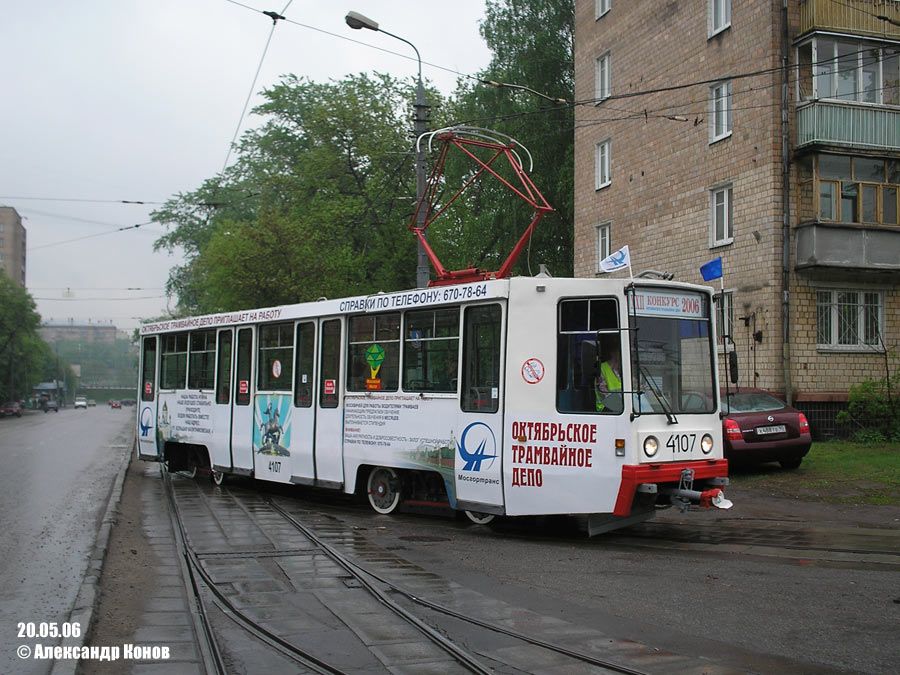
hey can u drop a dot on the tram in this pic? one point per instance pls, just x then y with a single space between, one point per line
492 393
481 395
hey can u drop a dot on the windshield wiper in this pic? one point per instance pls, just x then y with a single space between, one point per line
663 401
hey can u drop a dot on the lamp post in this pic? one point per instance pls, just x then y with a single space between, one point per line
357 21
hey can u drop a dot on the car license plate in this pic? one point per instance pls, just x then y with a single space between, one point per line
777 429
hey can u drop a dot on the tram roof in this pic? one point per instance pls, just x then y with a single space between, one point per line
417 298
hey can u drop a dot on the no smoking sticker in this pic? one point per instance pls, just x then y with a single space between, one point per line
533 371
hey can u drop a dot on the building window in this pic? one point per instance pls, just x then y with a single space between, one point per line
601 165
848 70
602 243
857 189
849 319
719 111
719 16
721 230
601 77
601 7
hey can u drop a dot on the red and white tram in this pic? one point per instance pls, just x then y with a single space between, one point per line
483 395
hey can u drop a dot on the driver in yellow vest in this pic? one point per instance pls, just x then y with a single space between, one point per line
609 382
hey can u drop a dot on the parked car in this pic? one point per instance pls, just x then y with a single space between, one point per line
81 402
758 427
11 408
113 403
49 404
91 403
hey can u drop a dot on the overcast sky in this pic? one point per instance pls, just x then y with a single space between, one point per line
111 100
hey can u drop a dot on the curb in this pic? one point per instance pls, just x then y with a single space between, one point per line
86 600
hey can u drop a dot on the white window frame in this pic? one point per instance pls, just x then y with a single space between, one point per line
602 173
724 7
602 243
720 111
726 191
837 342
601 7
601 77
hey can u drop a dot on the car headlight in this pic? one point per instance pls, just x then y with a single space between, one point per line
706 444
651 446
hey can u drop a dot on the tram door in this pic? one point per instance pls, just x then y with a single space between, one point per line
328 441
303 466
242 410
147 447
220 448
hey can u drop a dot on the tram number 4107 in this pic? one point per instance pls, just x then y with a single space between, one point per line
275 467
682 443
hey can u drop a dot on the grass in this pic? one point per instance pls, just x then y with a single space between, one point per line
836 471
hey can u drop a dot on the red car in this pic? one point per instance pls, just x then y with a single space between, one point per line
115 404
757 427
11 408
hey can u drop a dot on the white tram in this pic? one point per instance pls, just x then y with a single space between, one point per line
481 395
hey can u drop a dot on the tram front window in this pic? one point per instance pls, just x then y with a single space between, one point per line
672 366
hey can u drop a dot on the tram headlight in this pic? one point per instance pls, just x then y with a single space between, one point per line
706 444
651 446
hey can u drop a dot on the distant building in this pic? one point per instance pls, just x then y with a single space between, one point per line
54 331
12 244
766 134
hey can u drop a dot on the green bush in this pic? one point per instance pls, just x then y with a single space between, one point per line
874 408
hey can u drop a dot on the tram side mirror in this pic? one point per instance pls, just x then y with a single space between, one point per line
733 367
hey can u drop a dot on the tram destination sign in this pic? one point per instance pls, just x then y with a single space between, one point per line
675 304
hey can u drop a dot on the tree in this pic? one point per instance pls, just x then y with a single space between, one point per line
316 204
22 352
533 46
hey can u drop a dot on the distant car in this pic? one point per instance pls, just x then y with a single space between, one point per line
91 403
11 408
49 404
758 427
81 402
128 402
115 404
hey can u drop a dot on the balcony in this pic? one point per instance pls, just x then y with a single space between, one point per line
854 17
848 125
831 247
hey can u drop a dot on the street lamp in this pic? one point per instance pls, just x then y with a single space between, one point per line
357 21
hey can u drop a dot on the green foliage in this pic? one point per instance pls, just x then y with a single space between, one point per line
874 409
532 45
22 353
316 205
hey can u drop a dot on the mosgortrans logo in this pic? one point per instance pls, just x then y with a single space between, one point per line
477 447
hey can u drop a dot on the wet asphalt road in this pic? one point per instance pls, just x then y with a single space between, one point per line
58 469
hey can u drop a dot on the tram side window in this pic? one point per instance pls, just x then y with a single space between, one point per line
431 350
305 358
201 364
244 363
588 335
148 365
173 362
374 353
223 368
481 359
330 364
276 357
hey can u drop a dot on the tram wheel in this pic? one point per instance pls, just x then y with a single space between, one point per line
218 477
383 489
479 518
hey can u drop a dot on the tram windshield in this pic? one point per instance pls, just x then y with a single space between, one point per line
671 362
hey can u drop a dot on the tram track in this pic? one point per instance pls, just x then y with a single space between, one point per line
327 540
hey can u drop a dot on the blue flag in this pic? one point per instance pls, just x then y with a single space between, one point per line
712 270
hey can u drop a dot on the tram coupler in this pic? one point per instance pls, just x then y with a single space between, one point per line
682 498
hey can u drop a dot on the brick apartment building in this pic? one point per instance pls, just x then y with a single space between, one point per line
12 244
700 144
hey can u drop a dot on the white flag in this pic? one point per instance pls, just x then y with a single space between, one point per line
616 261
